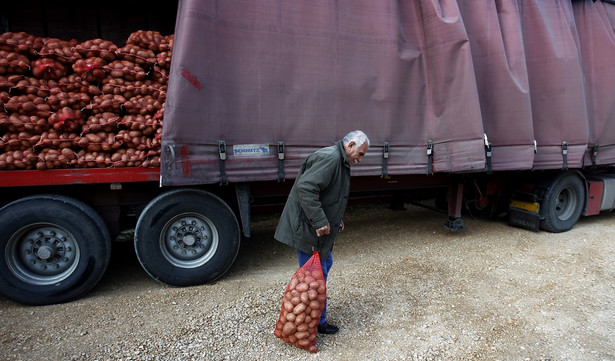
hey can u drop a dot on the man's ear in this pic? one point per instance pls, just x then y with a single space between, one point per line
351 144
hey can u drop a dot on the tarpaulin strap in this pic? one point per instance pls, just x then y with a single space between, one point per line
565 154
281 161
430 157
385 157
488 154
222 152
594 154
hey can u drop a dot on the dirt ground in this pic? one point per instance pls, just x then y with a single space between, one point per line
401 288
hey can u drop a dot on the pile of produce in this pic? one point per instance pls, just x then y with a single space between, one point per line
67 104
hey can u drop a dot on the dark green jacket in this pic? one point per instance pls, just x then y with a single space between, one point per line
318 196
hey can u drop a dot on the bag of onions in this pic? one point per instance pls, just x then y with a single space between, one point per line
302 304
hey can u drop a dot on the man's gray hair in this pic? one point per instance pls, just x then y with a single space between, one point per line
356 136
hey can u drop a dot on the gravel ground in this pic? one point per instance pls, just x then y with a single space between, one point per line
401 288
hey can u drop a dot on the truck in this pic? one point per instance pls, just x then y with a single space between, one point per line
501 108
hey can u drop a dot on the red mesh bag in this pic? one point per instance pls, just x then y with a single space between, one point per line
303 302
90 69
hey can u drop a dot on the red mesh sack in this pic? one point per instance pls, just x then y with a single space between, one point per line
90 69
303 302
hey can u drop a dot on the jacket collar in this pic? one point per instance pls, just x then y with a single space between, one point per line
340 148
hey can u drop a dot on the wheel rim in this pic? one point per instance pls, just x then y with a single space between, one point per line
42 254
566 203
189 240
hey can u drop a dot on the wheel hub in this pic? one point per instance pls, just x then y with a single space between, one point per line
187 241
46 252
564 206
43 254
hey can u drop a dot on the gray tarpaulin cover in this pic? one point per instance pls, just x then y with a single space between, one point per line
535 78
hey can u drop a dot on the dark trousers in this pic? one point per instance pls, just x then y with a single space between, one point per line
326 266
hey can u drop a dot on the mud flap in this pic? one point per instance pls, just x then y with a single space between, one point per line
524 215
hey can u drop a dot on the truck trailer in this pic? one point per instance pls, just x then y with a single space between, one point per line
502 107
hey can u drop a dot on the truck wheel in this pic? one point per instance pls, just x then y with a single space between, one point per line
564 204
53 249
187 237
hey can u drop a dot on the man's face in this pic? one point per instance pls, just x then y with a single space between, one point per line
354 153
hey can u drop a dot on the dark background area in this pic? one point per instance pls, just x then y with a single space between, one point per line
112 20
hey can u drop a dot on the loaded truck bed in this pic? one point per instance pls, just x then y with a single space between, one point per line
179 132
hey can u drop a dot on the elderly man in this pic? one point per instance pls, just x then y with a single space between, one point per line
317 201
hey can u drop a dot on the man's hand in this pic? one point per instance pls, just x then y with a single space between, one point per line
323 230
341 226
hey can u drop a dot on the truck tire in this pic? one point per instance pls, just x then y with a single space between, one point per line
53 249
564 203
187 237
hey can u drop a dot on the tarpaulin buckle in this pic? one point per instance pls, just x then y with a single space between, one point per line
385 157
222 153
280 162
565 154
430 157
595 155
488 154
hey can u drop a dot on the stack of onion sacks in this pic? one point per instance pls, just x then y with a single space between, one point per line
302 304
